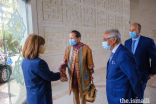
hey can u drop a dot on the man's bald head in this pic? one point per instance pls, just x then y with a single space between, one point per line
137 25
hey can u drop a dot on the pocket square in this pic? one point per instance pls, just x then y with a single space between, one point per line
113 62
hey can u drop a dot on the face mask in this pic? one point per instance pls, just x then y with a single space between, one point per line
42 50
72 42
106 46
132 34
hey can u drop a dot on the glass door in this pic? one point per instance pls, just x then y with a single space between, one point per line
13 26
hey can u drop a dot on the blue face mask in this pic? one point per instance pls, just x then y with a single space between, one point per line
132 34
106 46
72 42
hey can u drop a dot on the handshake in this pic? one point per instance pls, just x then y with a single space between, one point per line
62 70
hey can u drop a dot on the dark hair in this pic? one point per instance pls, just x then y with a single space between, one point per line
139 26
77 33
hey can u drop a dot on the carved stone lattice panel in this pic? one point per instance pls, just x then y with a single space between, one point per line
126 24
77 0
57 18
126 7
89 38
101 19
73 14
53 11
111 5
119 6
100 34
111 21
101 3
55 40
119 22
88 17
122 36
68 31
121 33
89 2
126 35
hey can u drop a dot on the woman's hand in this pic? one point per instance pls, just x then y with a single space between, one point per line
62 70
63 77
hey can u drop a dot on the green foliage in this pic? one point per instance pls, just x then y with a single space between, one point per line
11 43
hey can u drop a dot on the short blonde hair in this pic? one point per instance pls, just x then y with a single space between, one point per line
32 45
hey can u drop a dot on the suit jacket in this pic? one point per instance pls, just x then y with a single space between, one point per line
38 79
145 51
122 80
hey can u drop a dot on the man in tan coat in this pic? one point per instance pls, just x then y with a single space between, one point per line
78 59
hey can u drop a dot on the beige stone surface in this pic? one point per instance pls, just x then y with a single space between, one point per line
61 95
144 12
57 18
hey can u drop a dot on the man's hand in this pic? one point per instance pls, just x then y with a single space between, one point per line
151 75
91 77
62 70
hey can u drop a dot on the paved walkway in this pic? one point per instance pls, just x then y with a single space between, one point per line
61 96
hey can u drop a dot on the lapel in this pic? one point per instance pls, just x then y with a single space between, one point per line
140 45
114 57
107 67
70 58
129 44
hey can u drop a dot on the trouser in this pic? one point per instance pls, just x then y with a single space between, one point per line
77 97
144 86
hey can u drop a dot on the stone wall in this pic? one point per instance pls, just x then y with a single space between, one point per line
144 12
57 18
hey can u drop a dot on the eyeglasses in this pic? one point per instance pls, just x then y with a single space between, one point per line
105 39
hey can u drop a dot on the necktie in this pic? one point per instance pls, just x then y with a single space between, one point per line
133 46
111 56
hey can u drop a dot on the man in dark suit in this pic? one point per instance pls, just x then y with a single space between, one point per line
122 80
143 49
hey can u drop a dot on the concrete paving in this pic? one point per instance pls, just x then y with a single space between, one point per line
61 95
